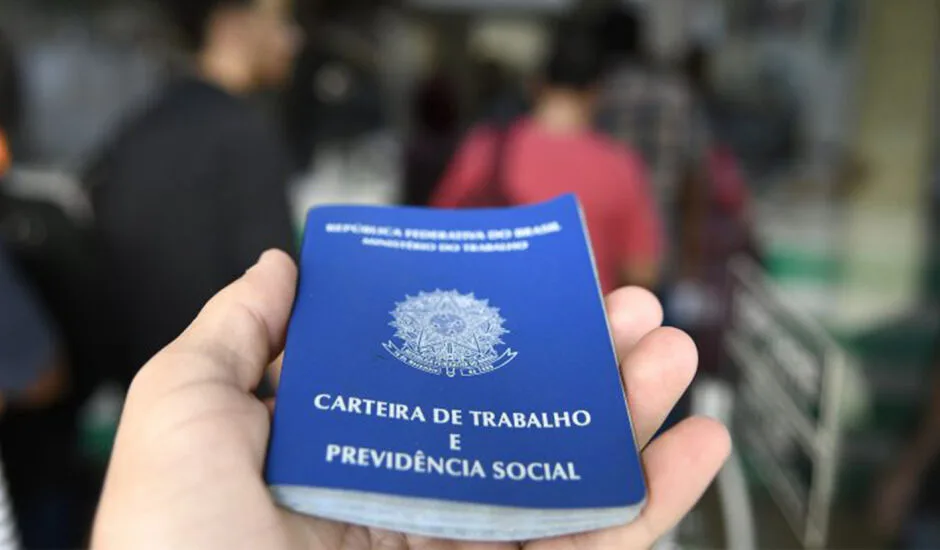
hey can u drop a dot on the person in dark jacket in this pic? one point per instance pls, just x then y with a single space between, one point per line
193 190
35 379
433 140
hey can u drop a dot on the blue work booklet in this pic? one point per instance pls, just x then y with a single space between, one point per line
452 374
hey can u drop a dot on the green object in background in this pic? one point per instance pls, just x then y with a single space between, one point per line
898 362
789 264
98 422
896 359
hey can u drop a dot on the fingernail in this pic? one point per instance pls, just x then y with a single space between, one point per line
264 255
260 260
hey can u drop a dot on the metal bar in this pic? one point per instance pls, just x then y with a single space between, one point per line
748 273
748 360
825 469
715 399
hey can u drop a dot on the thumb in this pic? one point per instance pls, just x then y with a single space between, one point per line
237 334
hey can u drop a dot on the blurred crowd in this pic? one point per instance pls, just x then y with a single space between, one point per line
188 191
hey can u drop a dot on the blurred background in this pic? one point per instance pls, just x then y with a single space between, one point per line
791 147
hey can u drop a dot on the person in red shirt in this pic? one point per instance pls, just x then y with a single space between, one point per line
556 151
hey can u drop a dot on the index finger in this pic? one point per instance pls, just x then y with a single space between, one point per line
632 313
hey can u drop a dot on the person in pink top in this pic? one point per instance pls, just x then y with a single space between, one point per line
556 151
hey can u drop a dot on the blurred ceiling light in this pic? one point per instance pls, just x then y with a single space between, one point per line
519 44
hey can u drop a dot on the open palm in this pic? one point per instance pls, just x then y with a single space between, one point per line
187 463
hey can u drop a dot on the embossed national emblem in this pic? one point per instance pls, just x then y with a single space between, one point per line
445 332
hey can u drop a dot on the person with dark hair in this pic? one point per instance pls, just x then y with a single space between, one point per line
555 151
193 190
500 96
33 367
621 34
434 136
651 110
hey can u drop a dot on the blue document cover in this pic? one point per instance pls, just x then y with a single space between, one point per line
453 357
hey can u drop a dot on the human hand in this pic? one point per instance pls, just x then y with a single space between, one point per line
187 465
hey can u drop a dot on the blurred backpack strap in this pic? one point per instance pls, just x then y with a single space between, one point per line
494 192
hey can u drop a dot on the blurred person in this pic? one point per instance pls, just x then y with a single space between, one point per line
434 137
335 95
714 224
714 212
905 508
191 191
52 485
33 381
188 461
31 365
555 151
31 377
652 110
